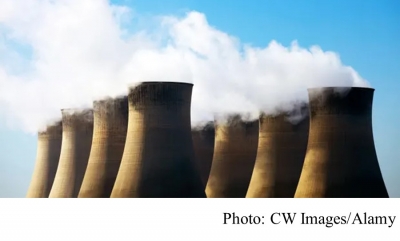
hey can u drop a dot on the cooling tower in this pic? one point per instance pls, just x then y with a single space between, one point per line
109 133
48 154
282 145
158 159
203 143
234 156
75 150
341 161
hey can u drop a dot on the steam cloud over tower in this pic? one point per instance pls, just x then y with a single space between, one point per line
75 150
158 159
109 134
234 156
203 143
341 160
281 150
47 157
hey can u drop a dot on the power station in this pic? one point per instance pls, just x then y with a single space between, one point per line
234 156
158 159
109 134
75 149
281 150
143 146
203 143
341 161
47 157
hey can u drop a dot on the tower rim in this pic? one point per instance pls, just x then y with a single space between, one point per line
134 85
340 87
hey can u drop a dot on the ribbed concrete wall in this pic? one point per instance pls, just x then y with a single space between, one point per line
47 156
158 159
341 160
109 134
234 156
203 143
281 150
75 150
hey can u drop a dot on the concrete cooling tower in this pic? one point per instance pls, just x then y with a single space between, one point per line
203 143
109 134
48 154
75 150
282 145
234 156
341 161
158 159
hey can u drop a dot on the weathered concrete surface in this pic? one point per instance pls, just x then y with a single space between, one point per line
234 156
47 157
158 159
281 150
203 143
75 150
341 160
109 134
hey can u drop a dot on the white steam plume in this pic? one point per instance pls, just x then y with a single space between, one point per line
67 53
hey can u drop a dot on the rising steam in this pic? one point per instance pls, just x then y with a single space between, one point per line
67 53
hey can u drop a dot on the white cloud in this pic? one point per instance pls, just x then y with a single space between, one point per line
81 50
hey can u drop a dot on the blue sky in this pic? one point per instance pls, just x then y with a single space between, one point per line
366 34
